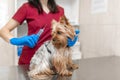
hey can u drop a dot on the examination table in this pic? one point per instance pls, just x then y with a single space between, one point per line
102 68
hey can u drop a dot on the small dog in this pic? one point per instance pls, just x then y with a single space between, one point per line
54 56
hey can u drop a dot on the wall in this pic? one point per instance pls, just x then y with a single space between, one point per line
7 51
100 32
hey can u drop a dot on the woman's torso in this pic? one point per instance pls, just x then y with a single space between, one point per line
36 22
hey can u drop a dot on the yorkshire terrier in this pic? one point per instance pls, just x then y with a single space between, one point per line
54 56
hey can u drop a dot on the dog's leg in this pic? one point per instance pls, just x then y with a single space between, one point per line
59 62
71 65
40 72
43 75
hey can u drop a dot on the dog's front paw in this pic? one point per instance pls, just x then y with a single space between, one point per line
73 67
65 73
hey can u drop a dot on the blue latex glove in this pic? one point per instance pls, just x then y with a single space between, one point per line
71 42
29 41
19 50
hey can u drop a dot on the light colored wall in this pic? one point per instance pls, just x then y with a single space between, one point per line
100 33
6 54
7 51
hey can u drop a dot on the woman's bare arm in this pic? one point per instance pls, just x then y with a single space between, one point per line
5 31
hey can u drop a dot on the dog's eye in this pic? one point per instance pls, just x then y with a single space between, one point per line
65 26
58 32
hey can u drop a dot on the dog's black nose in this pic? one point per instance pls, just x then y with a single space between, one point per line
53 39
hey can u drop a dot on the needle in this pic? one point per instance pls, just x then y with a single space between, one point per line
41 31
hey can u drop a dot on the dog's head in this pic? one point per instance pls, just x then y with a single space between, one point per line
61 31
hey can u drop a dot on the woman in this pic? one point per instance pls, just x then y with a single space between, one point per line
38 14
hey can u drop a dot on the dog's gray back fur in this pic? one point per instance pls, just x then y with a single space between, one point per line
43 55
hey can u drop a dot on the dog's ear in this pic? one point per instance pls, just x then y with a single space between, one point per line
53 23
70 33
68 27
64 20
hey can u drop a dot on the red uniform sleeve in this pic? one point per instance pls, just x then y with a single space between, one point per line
21 13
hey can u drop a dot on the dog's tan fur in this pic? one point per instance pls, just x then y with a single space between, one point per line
60 62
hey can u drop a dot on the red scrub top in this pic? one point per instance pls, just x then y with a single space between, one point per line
35 22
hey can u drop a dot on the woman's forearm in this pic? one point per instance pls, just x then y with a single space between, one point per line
5 34
5 31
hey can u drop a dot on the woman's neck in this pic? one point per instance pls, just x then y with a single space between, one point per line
44 2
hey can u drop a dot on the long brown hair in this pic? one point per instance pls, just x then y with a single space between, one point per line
51 5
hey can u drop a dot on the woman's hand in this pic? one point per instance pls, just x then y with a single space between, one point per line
71 42
29 41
